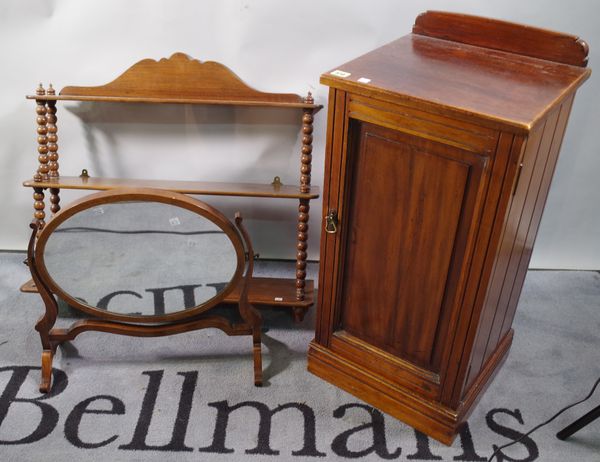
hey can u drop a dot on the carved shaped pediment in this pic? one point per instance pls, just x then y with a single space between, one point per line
181 77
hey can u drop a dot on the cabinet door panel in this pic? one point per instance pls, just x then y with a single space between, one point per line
411 203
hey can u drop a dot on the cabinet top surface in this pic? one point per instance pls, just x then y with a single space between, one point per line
507 88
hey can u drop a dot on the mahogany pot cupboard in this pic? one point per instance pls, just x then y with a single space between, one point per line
441 147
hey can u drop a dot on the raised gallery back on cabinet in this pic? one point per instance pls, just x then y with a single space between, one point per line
441 147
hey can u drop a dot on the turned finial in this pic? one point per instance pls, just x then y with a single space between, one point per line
309 99
40 90
51 90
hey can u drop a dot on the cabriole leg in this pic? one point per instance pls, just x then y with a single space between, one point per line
45 323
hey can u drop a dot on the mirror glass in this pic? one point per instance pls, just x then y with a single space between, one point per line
140 258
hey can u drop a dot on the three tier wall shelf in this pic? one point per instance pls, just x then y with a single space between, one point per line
183 80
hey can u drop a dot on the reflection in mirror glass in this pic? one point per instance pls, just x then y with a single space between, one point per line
140 258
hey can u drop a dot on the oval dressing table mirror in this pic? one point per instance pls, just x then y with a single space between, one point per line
141 262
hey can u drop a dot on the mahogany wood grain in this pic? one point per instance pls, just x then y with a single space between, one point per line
504 253
28 287
55 200
52 136
46 371
248 312
275 292
267 292
180 76
416 188
438 169
504 36
430 417
38 206
150 100
503 295
329 268
391 367
46 321
304 205
180 79
42 132
306 153
301 247
161 330
532 231
530 189
489 87
211 188
469 137
144 326
474 393
505 170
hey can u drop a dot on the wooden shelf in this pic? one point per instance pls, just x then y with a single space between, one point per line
132 99
275 292
185 187
272 292
180 79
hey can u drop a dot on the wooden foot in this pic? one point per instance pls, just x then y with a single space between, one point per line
29 287
46 381
299 313
256 350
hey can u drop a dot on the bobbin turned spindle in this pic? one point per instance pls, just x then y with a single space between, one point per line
52 135
42 139
52 149
184 80
307 138
301 248
303 208
38 206
42 170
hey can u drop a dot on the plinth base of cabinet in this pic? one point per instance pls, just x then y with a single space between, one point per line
430 417
267 292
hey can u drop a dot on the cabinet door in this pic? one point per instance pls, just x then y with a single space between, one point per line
410 211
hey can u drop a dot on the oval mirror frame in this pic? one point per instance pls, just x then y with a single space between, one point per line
140 195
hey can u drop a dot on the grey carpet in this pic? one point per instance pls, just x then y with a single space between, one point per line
163 397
